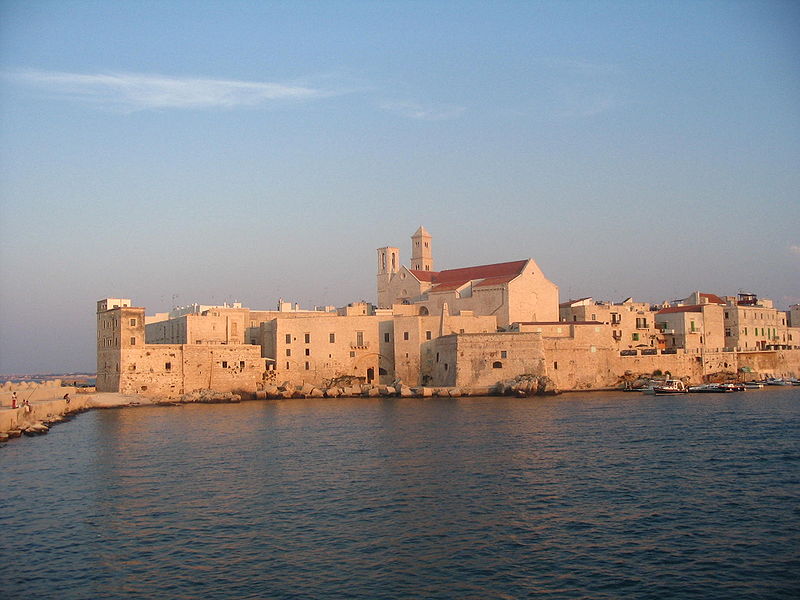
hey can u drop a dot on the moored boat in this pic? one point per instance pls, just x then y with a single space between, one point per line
709 388
670 386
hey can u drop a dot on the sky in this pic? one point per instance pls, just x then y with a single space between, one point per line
178 152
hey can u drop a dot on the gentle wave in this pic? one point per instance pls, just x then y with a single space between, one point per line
581 496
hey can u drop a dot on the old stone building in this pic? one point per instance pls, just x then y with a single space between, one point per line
127 363
510 292
630 324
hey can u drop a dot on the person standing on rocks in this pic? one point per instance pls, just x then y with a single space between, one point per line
66 398
13 399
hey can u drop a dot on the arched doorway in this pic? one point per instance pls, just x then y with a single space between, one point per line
370 375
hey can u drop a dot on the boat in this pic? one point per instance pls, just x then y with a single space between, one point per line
733 387
777 381
670 386
753 385
709 388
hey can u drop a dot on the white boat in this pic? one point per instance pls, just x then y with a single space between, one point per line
670 386
753 385
777 381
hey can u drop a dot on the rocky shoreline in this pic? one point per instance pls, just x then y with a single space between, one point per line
39 416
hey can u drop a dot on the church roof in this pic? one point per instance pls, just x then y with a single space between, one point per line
493 274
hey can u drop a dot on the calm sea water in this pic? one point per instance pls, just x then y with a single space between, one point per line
580 496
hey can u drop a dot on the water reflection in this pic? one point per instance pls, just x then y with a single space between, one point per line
595 495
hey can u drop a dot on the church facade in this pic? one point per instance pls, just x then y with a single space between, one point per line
515 291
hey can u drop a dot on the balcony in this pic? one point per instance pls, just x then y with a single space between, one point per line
359 345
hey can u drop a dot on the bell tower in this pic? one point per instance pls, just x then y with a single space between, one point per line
421 253
388 265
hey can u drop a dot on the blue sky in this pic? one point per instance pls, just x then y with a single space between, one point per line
178 152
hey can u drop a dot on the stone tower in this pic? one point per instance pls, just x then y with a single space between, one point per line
388 265
421 254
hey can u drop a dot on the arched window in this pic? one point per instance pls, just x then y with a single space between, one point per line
497 365
423 311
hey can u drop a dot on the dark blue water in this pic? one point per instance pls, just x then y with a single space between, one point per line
580 496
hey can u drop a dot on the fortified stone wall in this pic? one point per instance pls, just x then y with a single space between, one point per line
172 370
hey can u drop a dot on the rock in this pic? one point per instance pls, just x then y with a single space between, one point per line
315 393
405 392
427 392
374 393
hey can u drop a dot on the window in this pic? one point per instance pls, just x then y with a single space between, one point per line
308 338
287 365
503 354
241 364
427 335
497 365
288 352
133 341
308 365
437 357
460 331
352 354
692 326
224 364
359 338
594 317
308 351
405 335
288 338
168 366
133 322
555 366
635 337
332 338
386 337
726 315
445 366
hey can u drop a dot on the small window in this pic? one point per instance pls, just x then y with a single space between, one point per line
555 366
308 365
503 354
241 364
332 338
359 338
133 322
352 354
168 366
308 351
445 366
287 366
288 352
437 357
405 335
460 331
288 338
133 341
427 335
308 338
497 365
224 364
386 337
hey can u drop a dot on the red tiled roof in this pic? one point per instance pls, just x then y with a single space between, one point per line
446 287
507 269
678 309
713 298
495 281
423 275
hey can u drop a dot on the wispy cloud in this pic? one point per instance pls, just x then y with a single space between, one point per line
430 112
133 92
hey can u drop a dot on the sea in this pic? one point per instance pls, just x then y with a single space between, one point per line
583 495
